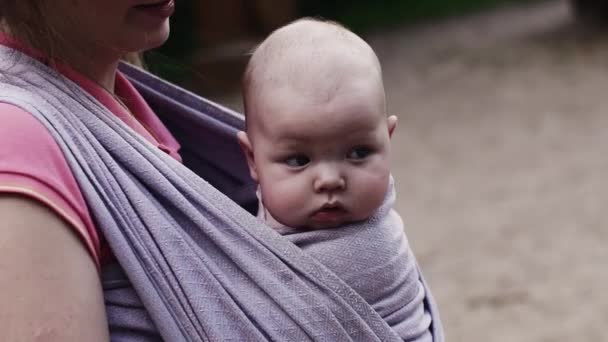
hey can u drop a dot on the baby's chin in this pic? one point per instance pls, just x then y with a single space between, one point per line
309 224
327 219
330 224
320 226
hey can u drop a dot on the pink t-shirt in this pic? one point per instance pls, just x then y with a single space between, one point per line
32 164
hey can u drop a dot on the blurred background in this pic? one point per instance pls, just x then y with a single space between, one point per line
498 155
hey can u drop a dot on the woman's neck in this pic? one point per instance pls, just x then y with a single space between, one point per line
94 63
100 68
102 74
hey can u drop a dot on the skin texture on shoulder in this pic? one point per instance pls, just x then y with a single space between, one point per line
50 286
318 138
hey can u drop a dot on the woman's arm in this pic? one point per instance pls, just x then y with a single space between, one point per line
49 285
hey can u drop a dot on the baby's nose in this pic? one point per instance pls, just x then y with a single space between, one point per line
329 180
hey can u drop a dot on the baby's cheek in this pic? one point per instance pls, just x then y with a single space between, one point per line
283 199
372 191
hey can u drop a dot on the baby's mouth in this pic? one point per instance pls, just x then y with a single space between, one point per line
329 213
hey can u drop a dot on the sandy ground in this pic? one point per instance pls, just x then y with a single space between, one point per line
501 171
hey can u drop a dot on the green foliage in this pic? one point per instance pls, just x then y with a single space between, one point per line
363 15
170 61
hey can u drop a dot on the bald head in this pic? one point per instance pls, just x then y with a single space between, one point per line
311 58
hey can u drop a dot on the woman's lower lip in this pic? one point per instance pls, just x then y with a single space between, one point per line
161 10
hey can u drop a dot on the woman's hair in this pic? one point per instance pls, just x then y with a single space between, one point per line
25 20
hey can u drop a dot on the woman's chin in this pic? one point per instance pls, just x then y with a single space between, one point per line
149 39
157 38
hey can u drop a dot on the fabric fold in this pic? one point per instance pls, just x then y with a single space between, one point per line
204 268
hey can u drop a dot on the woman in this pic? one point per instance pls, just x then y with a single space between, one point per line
51 248
84 160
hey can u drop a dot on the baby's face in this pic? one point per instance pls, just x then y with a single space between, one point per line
321 161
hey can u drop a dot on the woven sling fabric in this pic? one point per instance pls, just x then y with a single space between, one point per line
202 266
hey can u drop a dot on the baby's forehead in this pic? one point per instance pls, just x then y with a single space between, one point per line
307 64
295 117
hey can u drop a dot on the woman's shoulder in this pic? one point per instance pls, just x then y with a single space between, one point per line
26 146
18 128
32 164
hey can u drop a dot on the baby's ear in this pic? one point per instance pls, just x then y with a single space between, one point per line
247 149
391 122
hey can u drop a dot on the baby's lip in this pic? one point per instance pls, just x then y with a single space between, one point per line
329 213
332 205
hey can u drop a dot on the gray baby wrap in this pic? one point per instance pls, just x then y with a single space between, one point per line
373 257
204 268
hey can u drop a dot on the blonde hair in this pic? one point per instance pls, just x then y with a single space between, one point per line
25 20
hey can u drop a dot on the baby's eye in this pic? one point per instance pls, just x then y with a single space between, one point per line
297 161
359 153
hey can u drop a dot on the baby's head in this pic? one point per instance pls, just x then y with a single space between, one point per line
317 137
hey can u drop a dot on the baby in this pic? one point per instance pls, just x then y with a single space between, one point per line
318 144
